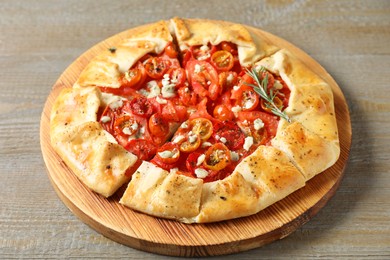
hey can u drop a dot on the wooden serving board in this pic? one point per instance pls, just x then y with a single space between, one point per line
169 237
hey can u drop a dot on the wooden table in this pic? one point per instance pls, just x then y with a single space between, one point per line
38 40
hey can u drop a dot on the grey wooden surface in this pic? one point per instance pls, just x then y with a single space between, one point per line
39 39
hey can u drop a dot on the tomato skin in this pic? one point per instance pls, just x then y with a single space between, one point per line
222 112
222 60
171 51
141 106
202 127
169 147
155 67
230 47
204 79
217 157
270 121
178 76
191 162
158 126
201 111
229 130
187 97
143 149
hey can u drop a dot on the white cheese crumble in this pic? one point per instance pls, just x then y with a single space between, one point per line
105 119
192 137
258 124
178 139
278 85
154 89
248 103
204 57
198 68
161 100
200 160
236 109
201 173
127 131
166 154
234 156
230 78
174 170
184 125
134 126
217 137
248 142
223 139
204 48
206 144
116 104
236 88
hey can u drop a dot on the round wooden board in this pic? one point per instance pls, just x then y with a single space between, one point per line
169 237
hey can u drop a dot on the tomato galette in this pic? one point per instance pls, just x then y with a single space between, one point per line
204 120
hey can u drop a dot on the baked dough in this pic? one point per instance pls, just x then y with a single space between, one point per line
301 149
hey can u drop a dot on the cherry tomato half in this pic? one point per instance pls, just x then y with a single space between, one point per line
247 98
141 106
190 143
132 78
217 157
125 125
234 138
168 153
177 76
155 67
171 51
143 149
204 79
158 126
222 60
187 97
222 112
202 127
267 107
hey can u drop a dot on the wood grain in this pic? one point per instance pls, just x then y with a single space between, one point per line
168 237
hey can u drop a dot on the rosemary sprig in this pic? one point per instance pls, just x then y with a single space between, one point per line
261 89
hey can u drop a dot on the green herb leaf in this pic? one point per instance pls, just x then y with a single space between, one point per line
261 88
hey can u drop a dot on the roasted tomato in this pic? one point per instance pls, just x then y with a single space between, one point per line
168 153
171 51
202 127
155 67
204 79
158 126
229 133
223 112
270 121
177 77
222 60
187 97
141 106
190 143
217 157
133 78
246 98
143 149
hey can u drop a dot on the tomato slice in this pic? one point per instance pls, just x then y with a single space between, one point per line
246 98
222 60
204 79
223 112
125 125
187 97
230 134
217 157
190 143
177 76
143 149
132 78
171 51
202 127
192 161
155 67
270 121
227 79
168 153
141 106
158 126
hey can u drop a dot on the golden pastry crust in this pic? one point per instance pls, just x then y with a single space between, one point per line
300 150
192 32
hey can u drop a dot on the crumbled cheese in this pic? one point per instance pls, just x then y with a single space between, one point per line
116 104
223 139
204 57
258 124
277 85
208 82
154 89
236 88
142 130
234 156
236 109
248 142
206 144
166 154
200 159
217 137
134 126
204 48
198 68
178 139
174 170
168 89
105 119
201 173
184 125
192 137
186 90
127 131
144 92
230 78
161 100
248 103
